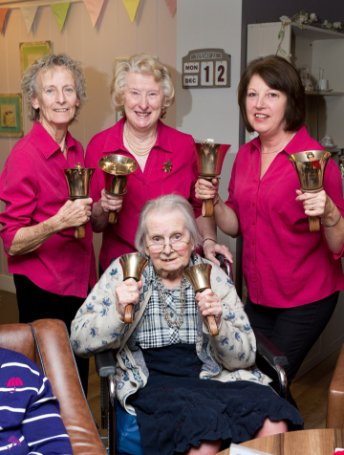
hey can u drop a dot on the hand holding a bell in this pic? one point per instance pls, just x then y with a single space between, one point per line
209 304
74 213
110 202
313 203
207 189
127 293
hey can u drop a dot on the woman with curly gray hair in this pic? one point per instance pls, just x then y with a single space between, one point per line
52 269
142 90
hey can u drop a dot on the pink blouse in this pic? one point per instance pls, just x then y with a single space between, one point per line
171 167
33 187
284 264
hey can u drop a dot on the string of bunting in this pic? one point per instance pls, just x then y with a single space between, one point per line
60 10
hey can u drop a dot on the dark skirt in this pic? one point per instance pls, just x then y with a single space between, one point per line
177 410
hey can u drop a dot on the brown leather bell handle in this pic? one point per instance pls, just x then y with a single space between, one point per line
212 326
129 313
208 207
112 217
80 232
314 223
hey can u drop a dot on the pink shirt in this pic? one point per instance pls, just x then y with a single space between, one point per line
171 167
284 264
33 187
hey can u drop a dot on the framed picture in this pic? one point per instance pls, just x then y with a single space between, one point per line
30 52
11 121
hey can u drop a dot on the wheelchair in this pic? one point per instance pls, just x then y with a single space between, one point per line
122 435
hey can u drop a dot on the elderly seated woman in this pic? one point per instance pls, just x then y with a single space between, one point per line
193 393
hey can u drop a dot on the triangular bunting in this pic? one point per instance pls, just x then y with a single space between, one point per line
3 16
29 13
131 7
94 8
60 11
172 6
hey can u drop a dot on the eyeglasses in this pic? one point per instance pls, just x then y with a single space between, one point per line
176 242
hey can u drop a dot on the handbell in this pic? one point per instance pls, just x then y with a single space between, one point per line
210 160
116 168
132 266
199 277
310 166
78 180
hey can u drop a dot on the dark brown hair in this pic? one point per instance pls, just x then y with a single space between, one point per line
278 74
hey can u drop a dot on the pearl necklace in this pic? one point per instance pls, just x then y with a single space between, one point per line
137 150
163 296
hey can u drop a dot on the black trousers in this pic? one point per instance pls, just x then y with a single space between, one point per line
35 303
292 330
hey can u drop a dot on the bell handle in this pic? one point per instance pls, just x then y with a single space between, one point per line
208 208
129 313
212 326
80 232
112 217
314 223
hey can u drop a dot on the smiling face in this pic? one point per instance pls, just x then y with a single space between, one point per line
265 107
56 98
167 232
143 100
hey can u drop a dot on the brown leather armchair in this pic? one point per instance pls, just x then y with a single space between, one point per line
335 404
46 342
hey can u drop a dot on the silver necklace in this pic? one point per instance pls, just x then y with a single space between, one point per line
162 291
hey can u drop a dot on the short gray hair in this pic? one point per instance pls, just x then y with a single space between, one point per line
141 64
163 204
29 80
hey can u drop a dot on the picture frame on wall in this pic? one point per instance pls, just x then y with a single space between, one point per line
11 117
30 52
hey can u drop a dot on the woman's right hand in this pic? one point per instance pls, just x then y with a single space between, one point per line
74 213
206 189
127 293
110 202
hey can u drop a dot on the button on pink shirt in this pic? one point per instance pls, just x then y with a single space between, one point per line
157 179
33 187
284 264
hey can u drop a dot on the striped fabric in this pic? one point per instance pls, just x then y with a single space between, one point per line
30 421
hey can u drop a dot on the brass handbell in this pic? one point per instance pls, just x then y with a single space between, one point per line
132 266
116 168
210 160
199 277
78 180
310 166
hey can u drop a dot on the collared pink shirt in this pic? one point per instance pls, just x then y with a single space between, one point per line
33 187
284 264
171 167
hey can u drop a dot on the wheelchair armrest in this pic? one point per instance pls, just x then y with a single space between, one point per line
105 363
271 360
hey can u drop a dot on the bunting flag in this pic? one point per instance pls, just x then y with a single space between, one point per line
60 11
172 6
3 16
94 8
29 14
131 7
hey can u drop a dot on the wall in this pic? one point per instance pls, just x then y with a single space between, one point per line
153 31
211 113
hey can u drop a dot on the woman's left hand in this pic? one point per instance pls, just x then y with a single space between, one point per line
211 249
209 304
313 203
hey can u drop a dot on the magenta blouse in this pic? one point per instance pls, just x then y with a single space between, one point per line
285 265
170 168
33 187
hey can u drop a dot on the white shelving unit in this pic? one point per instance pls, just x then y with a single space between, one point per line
316 49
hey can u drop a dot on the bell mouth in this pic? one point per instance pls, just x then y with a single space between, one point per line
116 164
